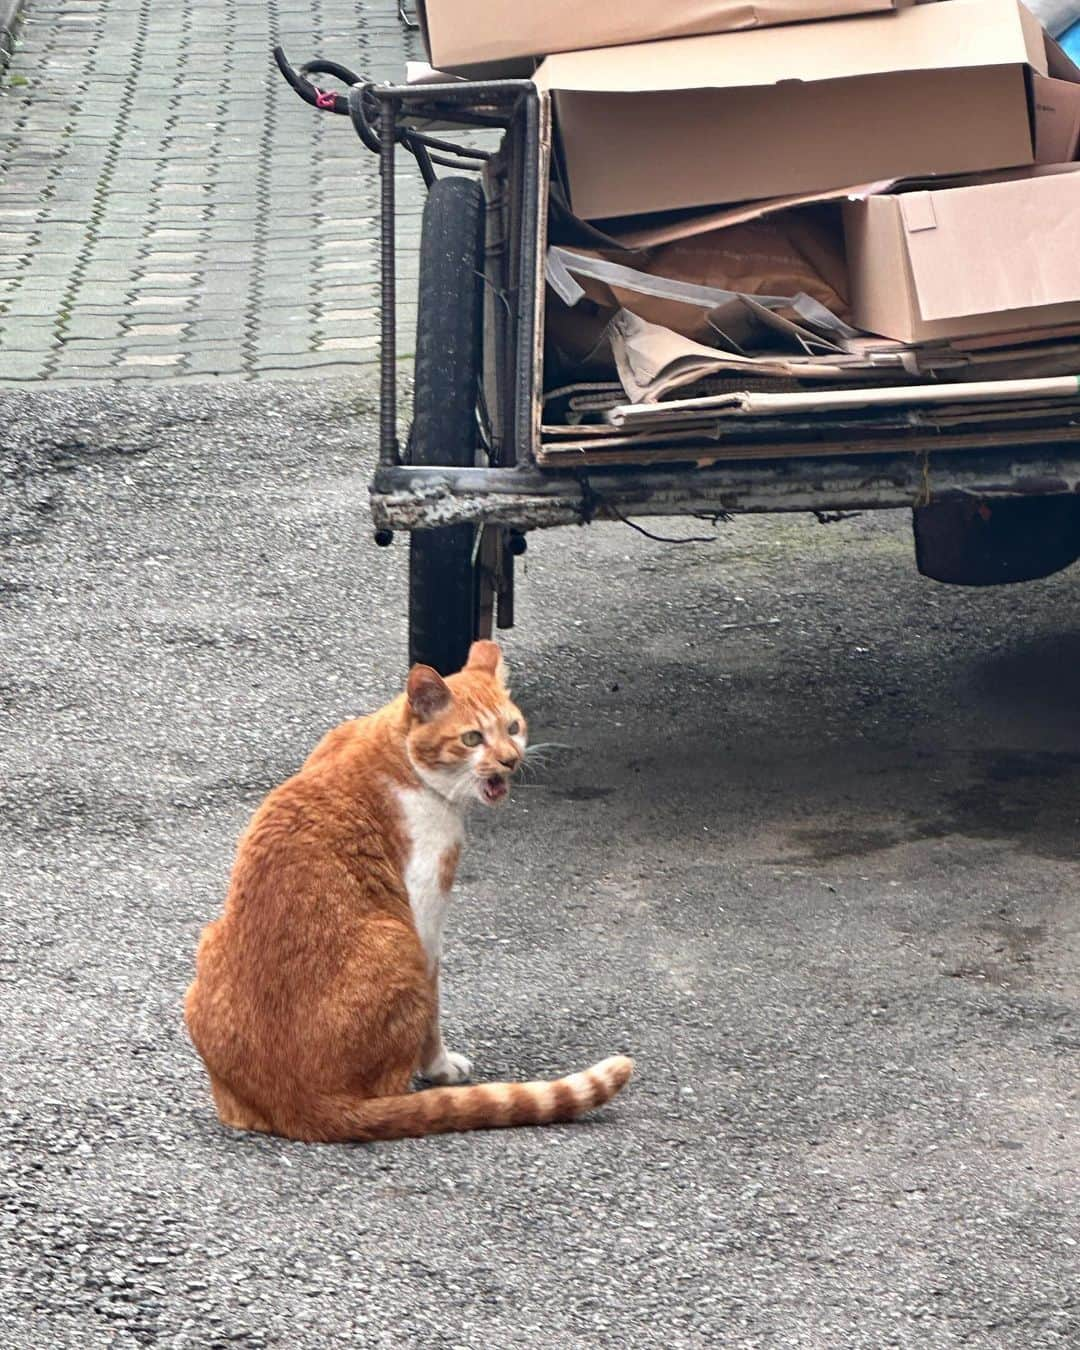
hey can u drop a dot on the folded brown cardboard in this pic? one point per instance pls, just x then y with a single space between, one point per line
651 361
932 89
489 38
962 260
650 231
1057 119
679 283
766 403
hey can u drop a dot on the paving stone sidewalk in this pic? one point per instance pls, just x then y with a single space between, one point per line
170 210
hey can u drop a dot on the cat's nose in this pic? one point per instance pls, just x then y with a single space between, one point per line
510 762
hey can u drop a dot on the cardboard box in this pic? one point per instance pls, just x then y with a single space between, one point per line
932 89
488 39
1056 105
992 256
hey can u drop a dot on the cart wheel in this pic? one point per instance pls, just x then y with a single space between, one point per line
444 584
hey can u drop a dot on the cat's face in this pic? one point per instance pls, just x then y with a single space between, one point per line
467 736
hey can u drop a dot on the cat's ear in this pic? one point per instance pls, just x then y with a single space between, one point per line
428 692
486 656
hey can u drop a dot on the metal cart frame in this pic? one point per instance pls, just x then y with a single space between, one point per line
822 463
916 462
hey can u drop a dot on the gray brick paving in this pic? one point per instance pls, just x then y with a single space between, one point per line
169 210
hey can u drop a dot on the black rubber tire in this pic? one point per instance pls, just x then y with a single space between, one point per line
443 583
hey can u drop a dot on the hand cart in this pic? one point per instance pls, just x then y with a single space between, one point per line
472 477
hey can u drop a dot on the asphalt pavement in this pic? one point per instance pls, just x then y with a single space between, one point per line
809 854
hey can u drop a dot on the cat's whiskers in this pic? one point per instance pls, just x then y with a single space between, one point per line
538 757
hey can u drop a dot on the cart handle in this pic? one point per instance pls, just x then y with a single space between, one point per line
361 106
324 100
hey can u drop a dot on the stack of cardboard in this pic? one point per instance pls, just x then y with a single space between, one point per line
501 39
818 194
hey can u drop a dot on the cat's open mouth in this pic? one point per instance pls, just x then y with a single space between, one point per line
494 789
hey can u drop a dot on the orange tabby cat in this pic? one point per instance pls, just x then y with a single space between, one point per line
316 994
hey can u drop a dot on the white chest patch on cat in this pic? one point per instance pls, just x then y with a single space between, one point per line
435 830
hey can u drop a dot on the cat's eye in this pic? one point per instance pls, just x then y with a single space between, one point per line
513 728
471 738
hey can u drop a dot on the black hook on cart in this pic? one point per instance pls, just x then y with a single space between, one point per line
361 106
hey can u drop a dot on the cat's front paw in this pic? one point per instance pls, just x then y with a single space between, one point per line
448 1070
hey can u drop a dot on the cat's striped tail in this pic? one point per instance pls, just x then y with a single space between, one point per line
483 1106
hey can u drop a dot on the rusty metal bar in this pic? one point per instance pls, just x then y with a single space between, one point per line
527 289
407 499
388 446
